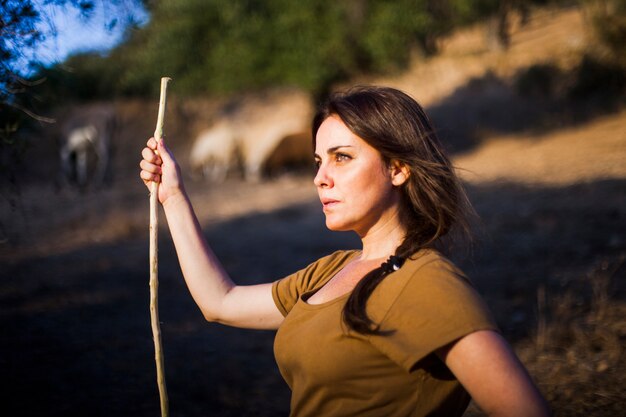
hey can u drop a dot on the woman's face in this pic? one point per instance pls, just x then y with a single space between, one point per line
356 187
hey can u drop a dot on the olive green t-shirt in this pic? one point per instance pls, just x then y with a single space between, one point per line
333 371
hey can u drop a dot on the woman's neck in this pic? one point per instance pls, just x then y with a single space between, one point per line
383 240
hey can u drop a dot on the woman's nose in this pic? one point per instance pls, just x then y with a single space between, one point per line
322 178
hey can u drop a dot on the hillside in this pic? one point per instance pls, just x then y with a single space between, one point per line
557 36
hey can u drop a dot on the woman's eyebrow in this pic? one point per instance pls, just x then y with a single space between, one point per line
334 149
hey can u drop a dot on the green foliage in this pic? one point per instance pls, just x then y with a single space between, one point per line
22 28
392 29
225 46
17 33
608 20
84 76
220 47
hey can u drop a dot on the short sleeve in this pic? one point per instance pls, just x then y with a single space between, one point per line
435 306
288 290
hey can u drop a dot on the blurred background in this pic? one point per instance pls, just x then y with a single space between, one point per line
529 97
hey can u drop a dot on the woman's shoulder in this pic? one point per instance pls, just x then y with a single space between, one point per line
429 269
428 261
425 305
427 276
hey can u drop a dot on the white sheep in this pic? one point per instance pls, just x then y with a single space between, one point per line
250 132
85 147
213 152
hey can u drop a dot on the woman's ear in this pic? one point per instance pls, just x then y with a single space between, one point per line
399 173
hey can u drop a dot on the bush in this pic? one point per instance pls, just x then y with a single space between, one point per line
598 79
607 18
538 80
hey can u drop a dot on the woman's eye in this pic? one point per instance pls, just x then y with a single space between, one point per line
342 157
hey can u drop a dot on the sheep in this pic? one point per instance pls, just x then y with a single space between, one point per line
294 152
85 147
213 152
249 132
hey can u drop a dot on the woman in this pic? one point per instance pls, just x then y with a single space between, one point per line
392 329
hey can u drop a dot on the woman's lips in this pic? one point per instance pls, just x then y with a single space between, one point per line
328 203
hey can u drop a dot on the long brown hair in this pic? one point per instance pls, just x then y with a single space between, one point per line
433 199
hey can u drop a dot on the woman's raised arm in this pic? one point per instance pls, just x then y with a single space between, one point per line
218 297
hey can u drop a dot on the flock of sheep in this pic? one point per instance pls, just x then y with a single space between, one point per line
256 136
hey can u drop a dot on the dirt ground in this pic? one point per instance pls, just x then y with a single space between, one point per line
548 257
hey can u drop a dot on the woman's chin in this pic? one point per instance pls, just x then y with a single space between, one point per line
337 226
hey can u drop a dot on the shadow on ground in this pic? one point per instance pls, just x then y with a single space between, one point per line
76 338
536 100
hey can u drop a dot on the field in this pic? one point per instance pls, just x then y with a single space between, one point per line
547 178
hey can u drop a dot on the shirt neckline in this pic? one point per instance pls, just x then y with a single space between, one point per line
305 296
304 304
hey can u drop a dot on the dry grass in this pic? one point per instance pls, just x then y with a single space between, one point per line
560 158
576 354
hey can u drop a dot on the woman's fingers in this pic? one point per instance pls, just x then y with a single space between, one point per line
150 173
147 177
159 166
150 165
149 155
152 143
164 151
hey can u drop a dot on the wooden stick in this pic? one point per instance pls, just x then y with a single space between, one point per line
154 265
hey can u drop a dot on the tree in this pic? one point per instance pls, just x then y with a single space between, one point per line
21 30
18 32
226 46
608 22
